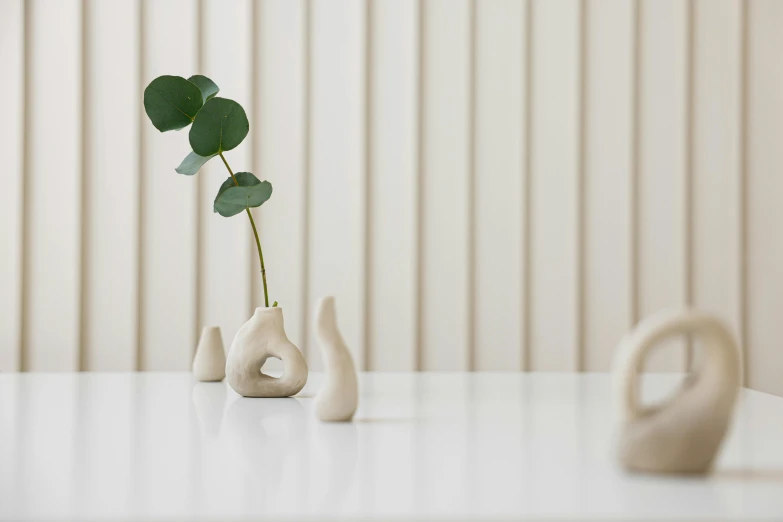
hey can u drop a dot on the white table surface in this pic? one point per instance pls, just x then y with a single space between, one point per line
160 446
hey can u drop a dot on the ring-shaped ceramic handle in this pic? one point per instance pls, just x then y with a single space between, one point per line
649 333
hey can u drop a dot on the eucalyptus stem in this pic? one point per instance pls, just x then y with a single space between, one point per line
255 233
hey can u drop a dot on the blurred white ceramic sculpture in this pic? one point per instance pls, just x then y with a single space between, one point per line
337 400
683 434
209 363
261 337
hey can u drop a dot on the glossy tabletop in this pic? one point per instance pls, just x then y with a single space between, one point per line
431 446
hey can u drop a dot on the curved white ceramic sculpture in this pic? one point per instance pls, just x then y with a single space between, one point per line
683 434
336 401
209 363
263 336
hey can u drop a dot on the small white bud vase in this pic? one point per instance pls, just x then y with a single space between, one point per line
261 337
337 400
684 433
209 363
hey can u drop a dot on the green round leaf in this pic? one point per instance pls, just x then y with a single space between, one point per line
232 199
192 163
172 102
219 126
207 87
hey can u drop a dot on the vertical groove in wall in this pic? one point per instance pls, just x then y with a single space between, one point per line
633 199
419 332
579 355
25 273
139 204
256 10
200 190
471 204
257 65
17 249
81 179
688 199
256 97
743 191
526 184
84 269
367 164
306 167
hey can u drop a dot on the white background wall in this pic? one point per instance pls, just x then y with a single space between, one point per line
483 184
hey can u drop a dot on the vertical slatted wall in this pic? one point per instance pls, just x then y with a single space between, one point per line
483 184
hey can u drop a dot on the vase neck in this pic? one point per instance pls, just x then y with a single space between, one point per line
269 317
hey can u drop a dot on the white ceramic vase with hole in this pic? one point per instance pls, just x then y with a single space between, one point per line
684 433
261 337
337 400
209 363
